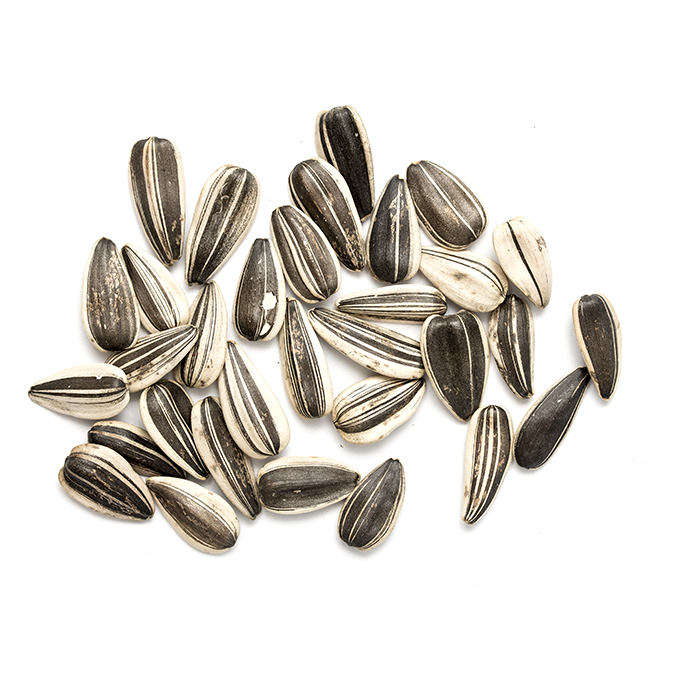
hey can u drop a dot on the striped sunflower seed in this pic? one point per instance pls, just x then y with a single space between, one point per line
489 447
545 424
598 333
109 311
252 412
166 411
341 140
304 366
368 516
292 485
90 391
153 356
457 359
260 299
310 265
369 410
524 257
471 280
379 349
202 364
202 518
318 189
511 340
230 467
102 480
393 245
158 190
224 214
448 210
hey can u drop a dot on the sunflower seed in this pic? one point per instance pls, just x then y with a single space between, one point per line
448 210
321 192
304 366
202 364
158 190
102 480
260 299
310 265
368 411
252 412
457 359
230 467
154 356
379 349
136 446
90 391
489 446
511 339
545 424
368 516
471 280
161 301
393 247
341 140
598 333
202 518
109 311
166 411
523 255
223 215
400 303
293 485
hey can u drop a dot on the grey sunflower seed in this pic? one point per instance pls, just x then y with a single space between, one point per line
102 480
202 518
109 311
158 190
224 214
598 333
368 516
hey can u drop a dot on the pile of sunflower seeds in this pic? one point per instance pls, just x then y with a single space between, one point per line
184 441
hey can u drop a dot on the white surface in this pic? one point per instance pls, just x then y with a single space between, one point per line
562 115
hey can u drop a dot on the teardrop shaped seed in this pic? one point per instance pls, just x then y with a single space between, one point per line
448 210
260 299
470 280
321 192
304 366
341 139
457 359
292 485
90 391
598 333
161 301
393 245
109 311
202 364
382 350
524 257
158 190
489 447
102 480
511 339
252 412
545 424
368 516
369 410
166 411
230 467
223 215
310 265
202 518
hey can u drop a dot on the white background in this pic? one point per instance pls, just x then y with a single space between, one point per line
560 114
